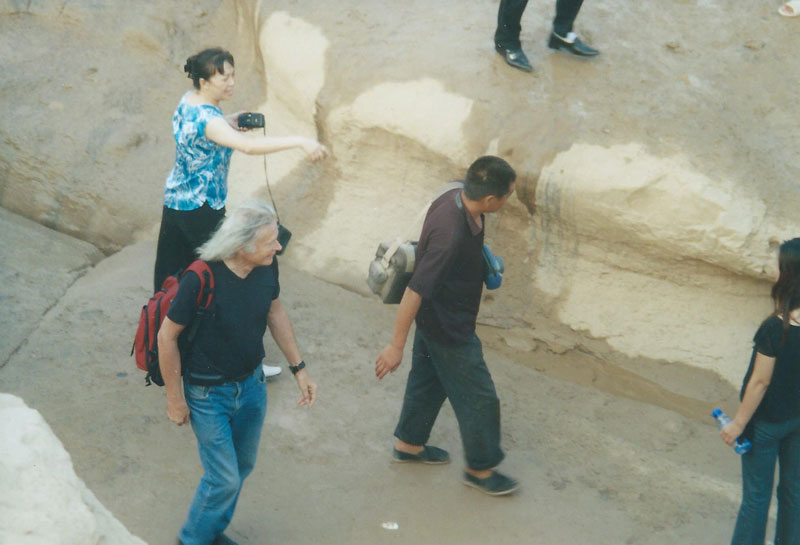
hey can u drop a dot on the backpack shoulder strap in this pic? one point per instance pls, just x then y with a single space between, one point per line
395 245
456 184
206 292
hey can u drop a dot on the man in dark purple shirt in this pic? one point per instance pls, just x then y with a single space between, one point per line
443 296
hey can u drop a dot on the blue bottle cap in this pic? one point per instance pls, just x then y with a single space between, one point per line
716 412
742 446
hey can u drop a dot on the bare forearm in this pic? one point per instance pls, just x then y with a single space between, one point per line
280 326
169 360
390 357
763 367
270 144
220 132
406 312
753 395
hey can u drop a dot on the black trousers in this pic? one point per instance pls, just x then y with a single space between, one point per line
457 373
509 16
181 233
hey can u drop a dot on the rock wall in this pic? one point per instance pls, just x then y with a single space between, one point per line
658 259
85 131
38 267
650 253
646 209
43 500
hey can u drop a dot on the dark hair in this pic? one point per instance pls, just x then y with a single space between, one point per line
488 175
786 290
207 63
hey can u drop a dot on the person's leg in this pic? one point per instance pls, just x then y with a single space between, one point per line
199 225
173 251
787 530
181 233
211 410
509 15
469 386
562 38
758 472
248 420
423 397
566 12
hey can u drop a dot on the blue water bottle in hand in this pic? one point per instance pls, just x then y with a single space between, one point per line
741 445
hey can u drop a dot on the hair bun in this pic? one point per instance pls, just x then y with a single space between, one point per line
189 67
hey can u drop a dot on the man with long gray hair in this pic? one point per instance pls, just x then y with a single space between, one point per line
223 389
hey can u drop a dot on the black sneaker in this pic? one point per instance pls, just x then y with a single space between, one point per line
571 44
495 484
515 57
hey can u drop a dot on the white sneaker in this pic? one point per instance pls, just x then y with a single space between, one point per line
271 370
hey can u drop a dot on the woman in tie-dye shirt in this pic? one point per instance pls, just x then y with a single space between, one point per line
197 187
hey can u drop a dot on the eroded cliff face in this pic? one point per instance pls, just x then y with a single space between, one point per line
649 251
655 257
89 93
648 203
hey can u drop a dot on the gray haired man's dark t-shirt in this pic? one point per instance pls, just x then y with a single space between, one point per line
229 341
449 271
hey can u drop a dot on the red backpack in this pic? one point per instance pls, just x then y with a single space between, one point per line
145 344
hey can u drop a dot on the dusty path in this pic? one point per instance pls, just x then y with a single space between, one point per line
596 468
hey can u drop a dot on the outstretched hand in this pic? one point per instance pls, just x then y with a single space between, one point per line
388 361
315 150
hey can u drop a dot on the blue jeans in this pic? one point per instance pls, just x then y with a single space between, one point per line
227 421
771 441
459 373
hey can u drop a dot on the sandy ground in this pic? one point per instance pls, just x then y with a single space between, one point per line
596 467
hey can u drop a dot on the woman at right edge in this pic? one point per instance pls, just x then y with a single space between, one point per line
769 414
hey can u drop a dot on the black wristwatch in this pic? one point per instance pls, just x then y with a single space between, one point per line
295 368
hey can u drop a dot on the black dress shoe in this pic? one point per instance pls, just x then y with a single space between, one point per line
571 44
515 58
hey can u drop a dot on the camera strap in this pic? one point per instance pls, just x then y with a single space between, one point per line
266 179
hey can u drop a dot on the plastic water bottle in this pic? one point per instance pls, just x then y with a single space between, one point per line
741 445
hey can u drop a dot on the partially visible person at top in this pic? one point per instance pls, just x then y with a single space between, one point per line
790 9
443 297
562 35
769 414
197 188
222 392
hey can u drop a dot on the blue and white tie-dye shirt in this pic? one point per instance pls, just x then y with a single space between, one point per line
201 166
